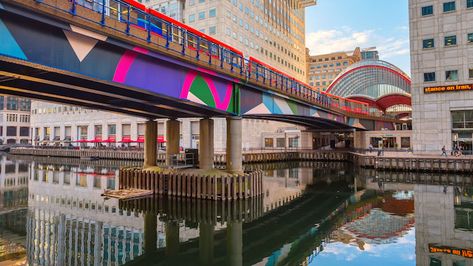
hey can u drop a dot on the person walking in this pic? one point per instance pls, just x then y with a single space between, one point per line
370 148
444 151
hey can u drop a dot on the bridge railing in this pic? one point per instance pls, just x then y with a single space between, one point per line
135 20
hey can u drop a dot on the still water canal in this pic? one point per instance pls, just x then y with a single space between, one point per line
52 213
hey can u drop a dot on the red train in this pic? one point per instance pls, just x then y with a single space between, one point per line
155 23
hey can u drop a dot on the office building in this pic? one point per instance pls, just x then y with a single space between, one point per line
441 36
14 119
272 31
323 69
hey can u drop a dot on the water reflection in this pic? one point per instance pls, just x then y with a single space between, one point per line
52 213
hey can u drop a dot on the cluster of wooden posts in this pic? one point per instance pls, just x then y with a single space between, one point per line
183 184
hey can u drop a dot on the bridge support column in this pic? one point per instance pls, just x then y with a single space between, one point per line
150 232
206 144
234 243
172 238
172 137
234 150
206 243
151 134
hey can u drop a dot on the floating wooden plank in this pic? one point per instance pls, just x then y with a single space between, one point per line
131 193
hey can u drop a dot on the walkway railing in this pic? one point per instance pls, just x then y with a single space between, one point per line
132 19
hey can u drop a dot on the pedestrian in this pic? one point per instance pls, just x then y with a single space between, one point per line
444 151
370 148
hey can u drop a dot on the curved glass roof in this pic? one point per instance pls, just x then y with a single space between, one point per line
372 79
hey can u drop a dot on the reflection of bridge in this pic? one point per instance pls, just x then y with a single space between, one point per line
249 243
65 52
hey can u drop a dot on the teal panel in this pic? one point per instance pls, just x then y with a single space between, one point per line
8 45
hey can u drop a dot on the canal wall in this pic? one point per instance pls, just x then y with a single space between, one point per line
393 162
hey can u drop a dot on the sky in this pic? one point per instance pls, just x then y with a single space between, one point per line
342 25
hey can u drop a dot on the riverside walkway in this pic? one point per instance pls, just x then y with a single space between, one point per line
390 160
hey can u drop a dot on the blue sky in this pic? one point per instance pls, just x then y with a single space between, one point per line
342 25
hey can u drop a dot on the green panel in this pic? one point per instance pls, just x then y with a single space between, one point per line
202 91
293 106
234 105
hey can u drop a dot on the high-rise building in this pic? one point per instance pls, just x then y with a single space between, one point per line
441 36
324 68
15 119
272 31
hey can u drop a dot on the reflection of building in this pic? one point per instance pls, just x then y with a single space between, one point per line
69 222
441 37
14 119
13 208
442 215
379 221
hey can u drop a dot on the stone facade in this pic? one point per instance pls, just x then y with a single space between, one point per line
433 51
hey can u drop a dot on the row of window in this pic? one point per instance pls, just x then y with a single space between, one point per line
447 7
201 15
15 103
450 75
12 131
448 41
14 118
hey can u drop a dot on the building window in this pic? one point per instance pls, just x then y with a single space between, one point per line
201 15
268 142
24 131
213 13
11 131
428 43
191 17
12 103
470 37
293 142
405 142
429 77
213 30
280 142
451 75
427 10
470 73
469 3
451 40
449 6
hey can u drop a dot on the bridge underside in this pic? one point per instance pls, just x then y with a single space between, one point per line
26 79
312 123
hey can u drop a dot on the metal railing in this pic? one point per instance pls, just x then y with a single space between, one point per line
157 29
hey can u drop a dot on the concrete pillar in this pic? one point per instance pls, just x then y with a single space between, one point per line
206 243
234 243
150 232
173 136
206 144
151 135
234 149
172 238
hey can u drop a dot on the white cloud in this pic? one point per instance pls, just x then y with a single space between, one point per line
346 39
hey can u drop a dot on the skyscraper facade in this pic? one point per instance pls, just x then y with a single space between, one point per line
272 31
441 36
324 68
